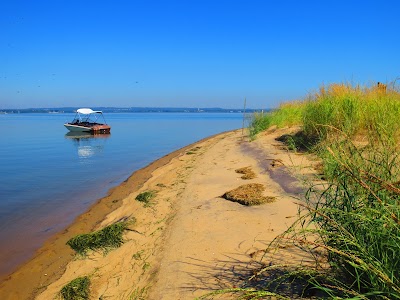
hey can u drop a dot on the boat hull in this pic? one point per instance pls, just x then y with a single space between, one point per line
94 129
77 128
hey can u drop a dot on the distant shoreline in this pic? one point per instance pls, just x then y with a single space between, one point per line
55 110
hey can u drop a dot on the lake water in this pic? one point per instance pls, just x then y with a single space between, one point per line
48 178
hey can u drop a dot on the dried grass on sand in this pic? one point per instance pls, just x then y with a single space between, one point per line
247 172
248 194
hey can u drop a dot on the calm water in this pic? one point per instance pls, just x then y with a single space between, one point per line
48 178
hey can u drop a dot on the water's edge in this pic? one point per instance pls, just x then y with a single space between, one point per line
48 262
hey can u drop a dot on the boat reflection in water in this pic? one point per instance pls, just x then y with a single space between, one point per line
88 144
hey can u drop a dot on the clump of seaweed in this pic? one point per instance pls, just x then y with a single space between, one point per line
247 172
107 238
145 197
77 289
248 194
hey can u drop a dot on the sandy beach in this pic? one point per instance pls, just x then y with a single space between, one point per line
189 240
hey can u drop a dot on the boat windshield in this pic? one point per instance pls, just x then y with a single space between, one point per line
87 116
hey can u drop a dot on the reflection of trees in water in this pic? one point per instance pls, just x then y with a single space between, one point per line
87 144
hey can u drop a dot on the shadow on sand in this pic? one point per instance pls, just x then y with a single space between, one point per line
257 270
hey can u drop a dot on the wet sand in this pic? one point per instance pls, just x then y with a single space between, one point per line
189 241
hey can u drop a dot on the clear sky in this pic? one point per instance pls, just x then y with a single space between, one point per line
190 53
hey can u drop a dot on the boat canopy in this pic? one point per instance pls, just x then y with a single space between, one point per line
88 111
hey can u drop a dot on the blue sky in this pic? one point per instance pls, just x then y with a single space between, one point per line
190 53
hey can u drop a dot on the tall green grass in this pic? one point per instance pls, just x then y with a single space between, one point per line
352 110
259 122
287 114
354 222
358 215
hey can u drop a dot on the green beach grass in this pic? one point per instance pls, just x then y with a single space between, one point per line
77 289
353 224
109 237
146 197
352 110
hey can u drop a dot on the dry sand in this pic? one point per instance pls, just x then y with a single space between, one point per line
189 241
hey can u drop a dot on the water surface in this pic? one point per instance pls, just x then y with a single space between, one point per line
48 177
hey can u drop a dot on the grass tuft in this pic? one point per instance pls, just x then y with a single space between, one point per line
139 294
77 289
105 239
145 197
193 150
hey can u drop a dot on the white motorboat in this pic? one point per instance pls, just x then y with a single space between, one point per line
86 120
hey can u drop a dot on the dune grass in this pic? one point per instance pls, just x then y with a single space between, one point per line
358 217
77 289
354 222
105 239
352 110
287 114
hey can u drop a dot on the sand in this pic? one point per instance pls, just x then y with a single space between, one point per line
189 240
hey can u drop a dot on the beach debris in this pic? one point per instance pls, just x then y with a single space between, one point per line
76 289
276 163
248 194
257 253
109 237
247 172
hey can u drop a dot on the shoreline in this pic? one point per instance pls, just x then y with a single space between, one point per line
47 264
186 242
